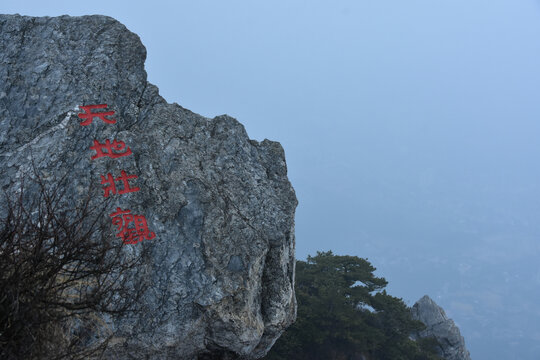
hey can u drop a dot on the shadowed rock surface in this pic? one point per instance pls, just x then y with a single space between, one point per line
452 344
221 267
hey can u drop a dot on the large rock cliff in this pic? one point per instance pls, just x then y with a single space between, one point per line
443 329
221 264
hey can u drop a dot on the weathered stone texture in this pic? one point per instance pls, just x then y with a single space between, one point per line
439 326
221 267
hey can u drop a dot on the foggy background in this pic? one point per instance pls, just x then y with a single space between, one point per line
411 131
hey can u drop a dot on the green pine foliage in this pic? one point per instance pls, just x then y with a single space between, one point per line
344 313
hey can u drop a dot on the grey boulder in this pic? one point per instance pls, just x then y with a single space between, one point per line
443 329
221 266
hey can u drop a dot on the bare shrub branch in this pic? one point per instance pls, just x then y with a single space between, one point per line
61 269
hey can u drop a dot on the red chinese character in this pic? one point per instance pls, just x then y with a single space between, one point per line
107 149
124 178
111 187
131 235
89 115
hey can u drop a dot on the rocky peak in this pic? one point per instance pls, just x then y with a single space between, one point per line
218 206
439 326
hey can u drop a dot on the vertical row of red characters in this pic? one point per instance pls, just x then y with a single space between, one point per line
131 228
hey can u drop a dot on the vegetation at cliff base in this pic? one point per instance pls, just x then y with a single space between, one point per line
345 313
59 273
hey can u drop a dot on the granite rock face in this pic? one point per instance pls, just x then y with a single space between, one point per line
221 267
438 325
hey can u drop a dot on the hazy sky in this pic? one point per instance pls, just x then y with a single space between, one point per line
411 130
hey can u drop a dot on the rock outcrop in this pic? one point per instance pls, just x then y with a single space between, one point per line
221 264
439 326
